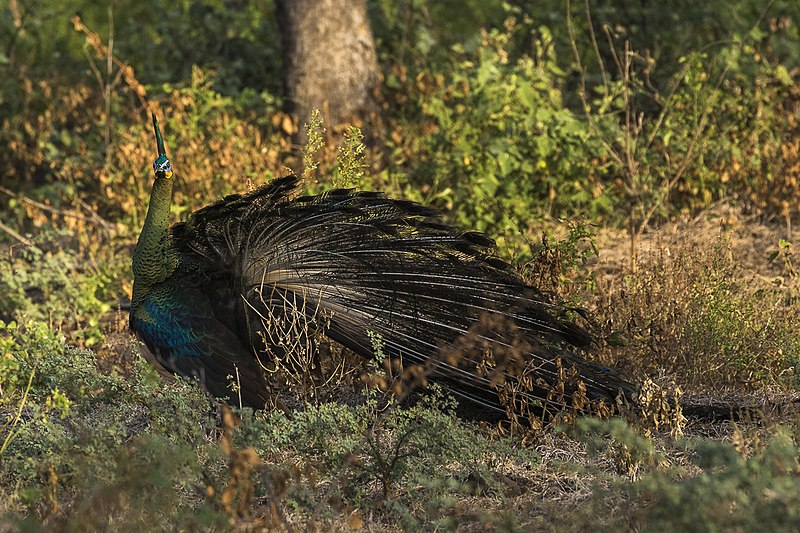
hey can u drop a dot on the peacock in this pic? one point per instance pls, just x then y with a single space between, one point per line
260 276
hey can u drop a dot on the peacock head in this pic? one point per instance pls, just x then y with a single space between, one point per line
161 166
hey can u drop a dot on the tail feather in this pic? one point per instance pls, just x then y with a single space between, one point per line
359 266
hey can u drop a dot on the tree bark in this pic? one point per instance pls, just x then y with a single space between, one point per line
329 59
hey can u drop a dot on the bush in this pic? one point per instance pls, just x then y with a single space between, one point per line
497 145
723 487
48 283
132 449
732 493
698 317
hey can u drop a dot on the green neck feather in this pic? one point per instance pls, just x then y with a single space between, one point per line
150 262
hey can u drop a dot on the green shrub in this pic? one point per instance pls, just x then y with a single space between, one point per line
732 493
59 287
129 443
498 145
22 401
414 463
118 439
721 488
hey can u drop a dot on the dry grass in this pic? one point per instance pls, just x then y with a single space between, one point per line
711 307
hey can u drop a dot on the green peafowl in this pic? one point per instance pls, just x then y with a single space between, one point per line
259 275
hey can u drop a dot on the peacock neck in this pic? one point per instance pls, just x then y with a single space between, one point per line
150 261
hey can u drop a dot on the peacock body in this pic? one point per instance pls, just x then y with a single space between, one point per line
258 275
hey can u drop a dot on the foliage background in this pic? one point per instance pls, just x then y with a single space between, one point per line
662 136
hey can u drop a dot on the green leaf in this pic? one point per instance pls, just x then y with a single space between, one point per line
782 73
506 163
528 96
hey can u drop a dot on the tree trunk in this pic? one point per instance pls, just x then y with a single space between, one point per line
329 59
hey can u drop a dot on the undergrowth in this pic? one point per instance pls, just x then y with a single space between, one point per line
131 451
97 447
695 316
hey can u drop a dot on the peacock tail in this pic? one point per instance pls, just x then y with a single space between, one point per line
258 276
